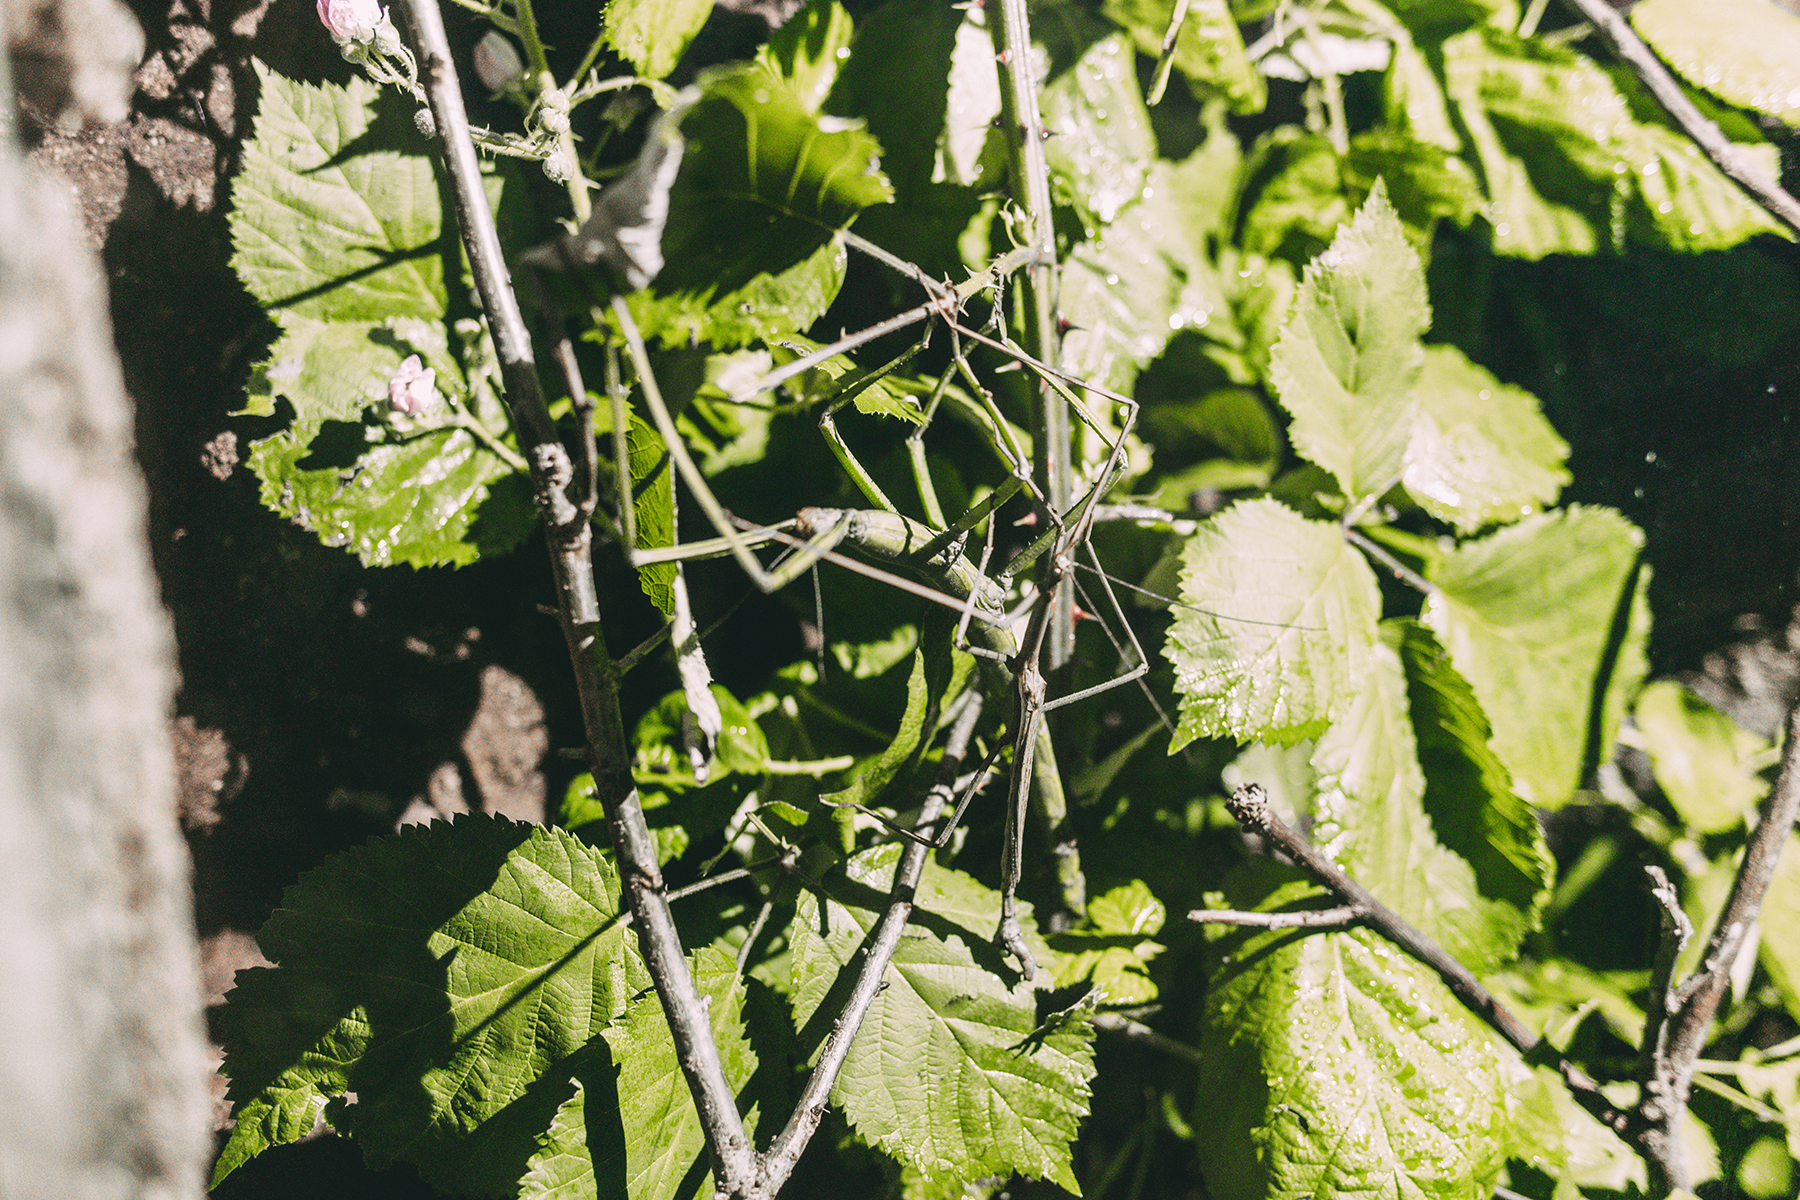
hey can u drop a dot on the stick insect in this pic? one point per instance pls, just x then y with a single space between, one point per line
934 559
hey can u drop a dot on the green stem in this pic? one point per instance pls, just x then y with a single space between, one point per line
1023 126
485 436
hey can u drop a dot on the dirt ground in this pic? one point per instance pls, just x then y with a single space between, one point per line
321 702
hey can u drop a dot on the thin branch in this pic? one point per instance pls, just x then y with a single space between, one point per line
733 1159
1400 570
1623 41
1340 917
1249 806
785 1151
1137 1031
1676 932
1702 993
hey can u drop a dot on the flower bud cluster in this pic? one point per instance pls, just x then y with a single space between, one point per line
412 392
357 24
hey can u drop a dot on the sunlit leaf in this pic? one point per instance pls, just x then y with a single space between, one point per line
1099 142
1278 622
338 231
1142 280
1208 49
1527 615
1571 166
1475 811
651 34
1557 1136
829 381
1111 950
1481 451
1350 356
1337 1065
1708 767
763 186
947 1073
1745 52
665 1143
807 51
441 976
1781 928
1371 818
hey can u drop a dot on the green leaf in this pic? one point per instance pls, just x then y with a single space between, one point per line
441 975
1336 1065
897 79
1413 97
1570 167
1745 52
1557 1136
1371 818
572 1155
338 231
1349 356
652 496
946 1074
1526 615
1481 452
888 396
1781 929
1293 196
1279 620
665 1142
1209 50
1099 144
660 759
1425 182
325 162
651 34
763 186
808 49
877 774
1141 281
1112 948
1469 795
1708 767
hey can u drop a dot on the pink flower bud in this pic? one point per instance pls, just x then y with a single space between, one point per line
351 21
412 392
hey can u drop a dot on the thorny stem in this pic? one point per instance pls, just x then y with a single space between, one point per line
1249 805
785 1152
733 1160
1699 997
1051 436
1623 41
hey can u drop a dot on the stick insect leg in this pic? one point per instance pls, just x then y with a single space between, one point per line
865 483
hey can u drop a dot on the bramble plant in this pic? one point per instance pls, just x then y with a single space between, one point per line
1122 377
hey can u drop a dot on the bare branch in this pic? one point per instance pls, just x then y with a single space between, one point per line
1699 997
1623 41
785 1151
733 1159
1249 805
1341 917
1137 1031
